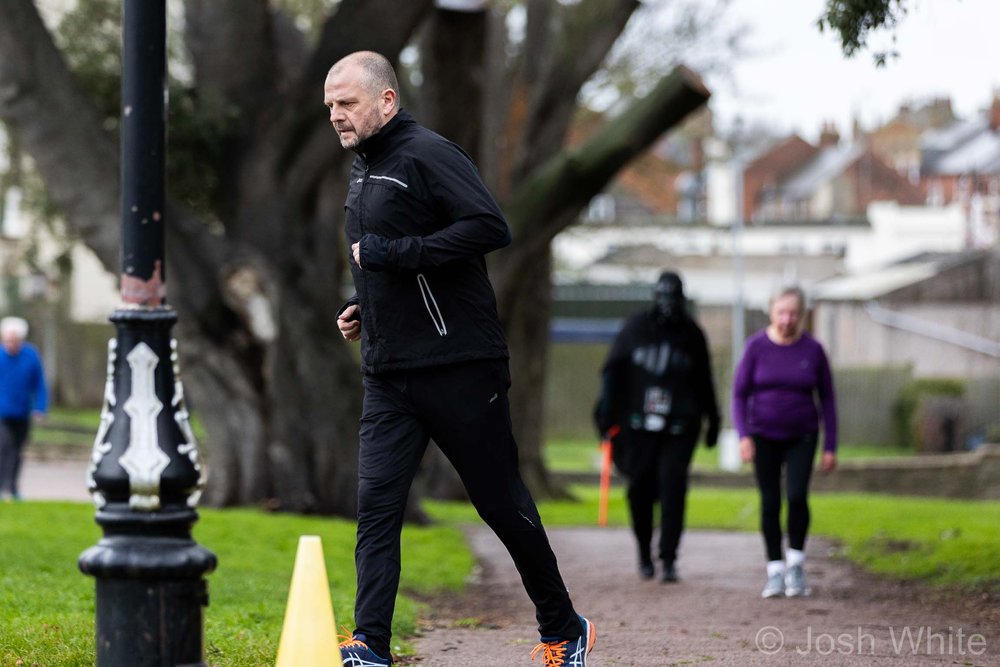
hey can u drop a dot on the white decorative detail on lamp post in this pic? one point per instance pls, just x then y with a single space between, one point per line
101 448
189 447
143 460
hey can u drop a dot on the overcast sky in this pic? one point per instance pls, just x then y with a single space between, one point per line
799 78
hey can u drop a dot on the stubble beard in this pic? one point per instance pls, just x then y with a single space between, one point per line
367 129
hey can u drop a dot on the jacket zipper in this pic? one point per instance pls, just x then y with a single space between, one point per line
430 303
364 278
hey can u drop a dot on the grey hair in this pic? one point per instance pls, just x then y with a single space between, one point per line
791 290
14 325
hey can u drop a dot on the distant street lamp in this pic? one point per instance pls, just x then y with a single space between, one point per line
145 476
739 307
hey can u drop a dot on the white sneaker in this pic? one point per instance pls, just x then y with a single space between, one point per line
795 582
775 586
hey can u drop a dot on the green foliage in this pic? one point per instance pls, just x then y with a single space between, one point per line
200 126
89 37
904 409
584 456
855 21
47 606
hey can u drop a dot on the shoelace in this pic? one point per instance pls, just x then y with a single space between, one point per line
347 640
553 653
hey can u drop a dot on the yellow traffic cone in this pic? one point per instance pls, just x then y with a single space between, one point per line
309 638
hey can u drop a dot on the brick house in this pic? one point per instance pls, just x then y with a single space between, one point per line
796 181
961 163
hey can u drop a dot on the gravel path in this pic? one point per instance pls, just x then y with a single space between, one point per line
713 616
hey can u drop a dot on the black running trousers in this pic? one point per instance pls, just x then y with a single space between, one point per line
659 466
464 408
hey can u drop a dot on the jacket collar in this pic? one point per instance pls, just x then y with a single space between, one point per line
377 144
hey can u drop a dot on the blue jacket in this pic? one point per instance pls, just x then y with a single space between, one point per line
425 220
22 383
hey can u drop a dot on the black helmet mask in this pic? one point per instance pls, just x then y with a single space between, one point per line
668 295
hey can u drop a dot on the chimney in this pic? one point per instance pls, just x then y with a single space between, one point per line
995 114
829 136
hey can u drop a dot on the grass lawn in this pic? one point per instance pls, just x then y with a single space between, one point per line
585 456
47 605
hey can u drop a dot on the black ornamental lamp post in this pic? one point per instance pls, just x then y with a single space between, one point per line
144 475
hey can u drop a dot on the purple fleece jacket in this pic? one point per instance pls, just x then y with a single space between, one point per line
775 390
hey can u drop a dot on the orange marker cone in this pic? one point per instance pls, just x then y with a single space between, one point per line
309 637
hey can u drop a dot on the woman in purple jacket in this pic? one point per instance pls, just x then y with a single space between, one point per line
783 372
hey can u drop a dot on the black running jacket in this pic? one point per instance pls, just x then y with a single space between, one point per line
425 220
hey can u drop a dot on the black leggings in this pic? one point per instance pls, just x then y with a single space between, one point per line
796 455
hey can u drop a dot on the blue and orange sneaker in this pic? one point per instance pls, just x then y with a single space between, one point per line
568 653
354 652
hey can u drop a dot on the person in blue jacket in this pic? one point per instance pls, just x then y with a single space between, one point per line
419 221
23 395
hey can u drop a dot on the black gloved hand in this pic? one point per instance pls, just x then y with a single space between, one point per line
712 434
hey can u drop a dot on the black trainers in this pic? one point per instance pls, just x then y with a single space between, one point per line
646 570
669 575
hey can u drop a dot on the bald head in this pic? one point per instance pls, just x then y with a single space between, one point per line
374 71
362 94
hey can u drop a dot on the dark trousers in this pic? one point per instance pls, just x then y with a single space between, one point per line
659 465
13 435
464 408
796 457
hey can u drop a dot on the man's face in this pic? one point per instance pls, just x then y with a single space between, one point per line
355 113
669 297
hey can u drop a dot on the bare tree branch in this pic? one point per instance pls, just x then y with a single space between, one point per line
378 25
552 195
584 42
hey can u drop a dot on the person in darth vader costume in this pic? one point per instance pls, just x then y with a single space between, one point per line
657 389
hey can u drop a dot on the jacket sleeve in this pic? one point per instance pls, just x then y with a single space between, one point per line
475 224
608 410
828 403
40 392
706 387
353 301
742 389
